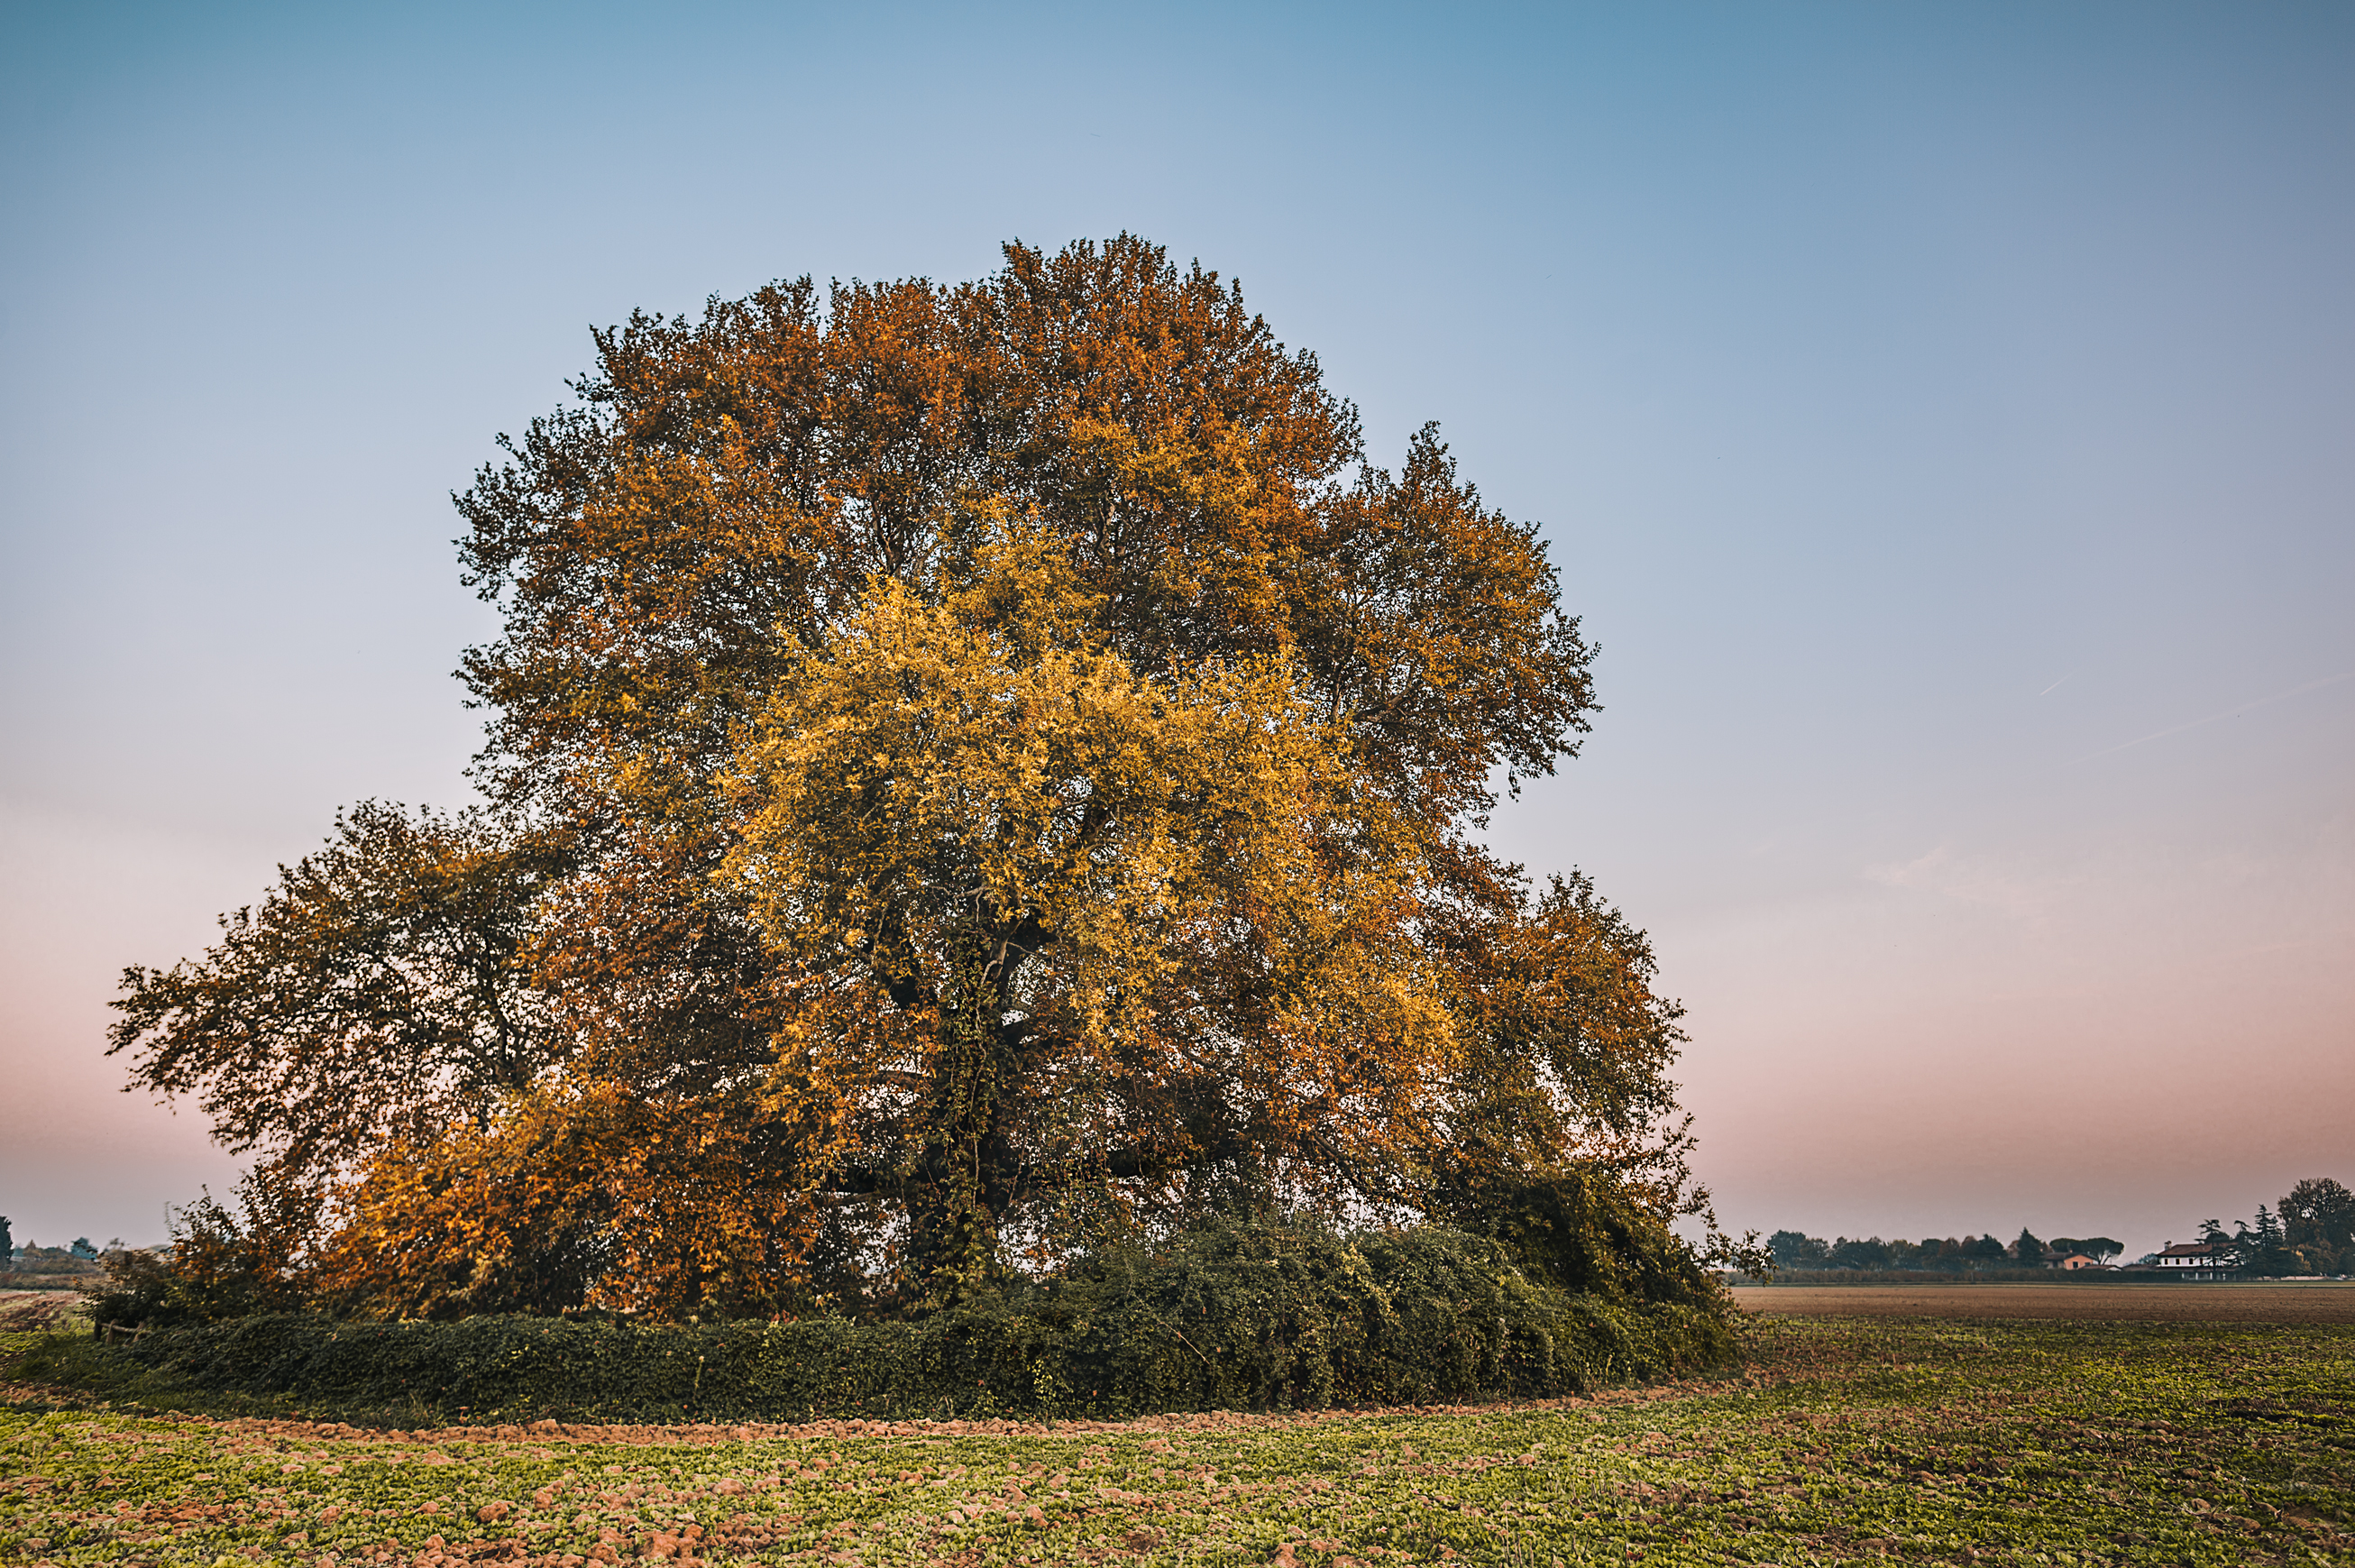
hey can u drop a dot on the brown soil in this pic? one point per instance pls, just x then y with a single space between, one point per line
25 1310
2323 1302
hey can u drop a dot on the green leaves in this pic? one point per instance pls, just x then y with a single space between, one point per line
378 991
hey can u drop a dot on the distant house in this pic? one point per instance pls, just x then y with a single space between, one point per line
2055 1258
2195 1260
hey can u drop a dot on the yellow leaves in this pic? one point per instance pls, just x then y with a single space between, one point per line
1145 866
1057 783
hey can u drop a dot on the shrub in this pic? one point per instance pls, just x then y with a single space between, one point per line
220 1265
1234 1316
139 1288
1586 1232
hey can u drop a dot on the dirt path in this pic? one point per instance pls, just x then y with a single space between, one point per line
2320 1302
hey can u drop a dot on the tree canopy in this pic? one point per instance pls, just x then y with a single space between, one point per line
972 770
2318 1214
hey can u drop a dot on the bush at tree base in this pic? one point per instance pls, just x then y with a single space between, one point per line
1585 1232
1233 1316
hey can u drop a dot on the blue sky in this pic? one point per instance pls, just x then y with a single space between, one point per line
1941 417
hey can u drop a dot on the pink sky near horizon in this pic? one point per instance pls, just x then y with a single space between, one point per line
1940 422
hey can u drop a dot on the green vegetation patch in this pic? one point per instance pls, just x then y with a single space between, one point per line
1236 1316
1847 1441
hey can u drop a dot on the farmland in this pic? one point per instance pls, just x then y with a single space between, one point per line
1855 1437
2250 1302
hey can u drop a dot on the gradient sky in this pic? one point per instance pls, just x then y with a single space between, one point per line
1942 418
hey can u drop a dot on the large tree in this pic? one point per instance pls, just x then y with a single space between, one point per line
1019 775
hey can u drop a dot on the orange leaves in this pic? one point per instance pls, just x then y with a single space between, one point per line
582 1196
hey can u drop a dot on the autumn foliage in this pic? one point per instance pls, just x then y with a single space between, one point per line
977 775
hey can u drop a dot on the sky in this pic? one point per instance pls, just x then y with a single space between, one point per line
1940 416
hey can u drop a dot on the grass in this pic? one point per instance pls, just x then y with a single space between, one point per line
1846 1440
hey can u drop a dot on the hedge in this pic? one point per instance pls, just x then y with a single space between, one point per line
1228 1318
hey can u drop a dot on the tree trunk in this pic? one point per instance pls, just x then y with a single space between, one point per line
956 1198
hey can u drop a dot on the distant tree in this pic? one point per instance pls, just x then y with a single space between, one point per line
2318 1220
1872 1253
82 1248
2099 1248
7 1246
1793 1249
2028 1251
2264 1249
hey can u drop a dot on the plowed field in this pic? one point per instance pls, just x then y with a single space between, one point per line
2331 1302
